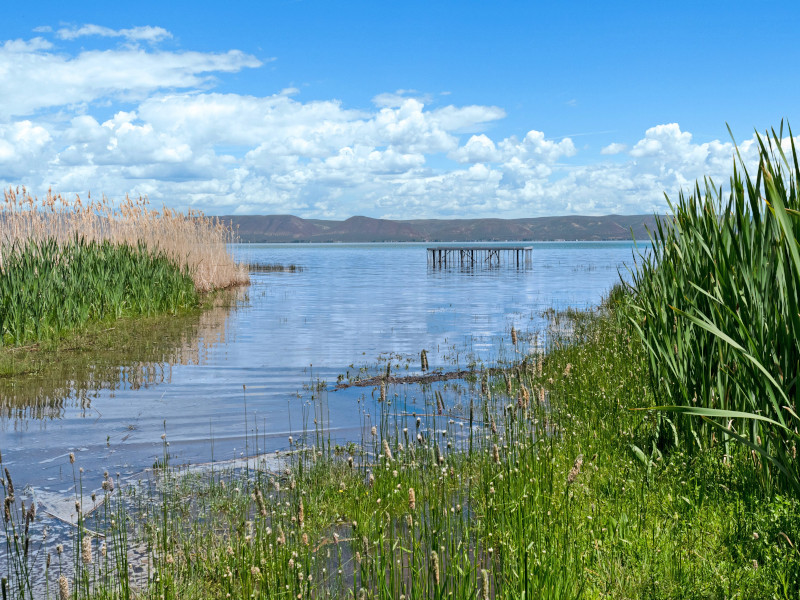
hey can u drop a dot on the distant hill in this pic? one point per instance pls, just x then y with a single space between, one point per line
288 228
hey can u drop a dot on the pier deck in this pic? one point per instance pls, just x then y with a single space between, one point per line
480 256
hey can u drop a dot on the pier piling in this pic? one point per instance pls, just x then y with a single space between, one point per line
480 256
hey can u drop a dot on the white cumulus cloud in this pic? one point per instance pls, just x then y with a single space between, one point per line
614 148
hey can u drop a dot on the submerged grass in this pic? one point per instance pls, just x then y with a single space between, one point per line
539 482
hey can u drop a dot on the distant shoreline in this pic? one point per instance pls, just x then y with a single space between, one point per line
292 229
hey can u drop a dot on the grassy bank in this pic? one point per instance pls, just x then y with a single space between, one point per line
65 265
539 482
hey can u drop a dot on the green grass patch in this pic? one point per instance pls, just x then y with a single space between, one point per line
50 290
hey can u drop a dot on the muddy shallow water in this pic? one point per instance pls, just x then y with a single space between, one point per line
242 373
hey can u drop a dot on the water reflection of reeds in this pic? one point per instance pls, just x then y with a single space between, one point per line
129 356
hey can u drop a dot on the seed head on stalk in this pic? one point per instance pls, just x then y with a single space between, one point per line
63 588
524 397
575 470
387 451
10 485
435 567
301 514
86 549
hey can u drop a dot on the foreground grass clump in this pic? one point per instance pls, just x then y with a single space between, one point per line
718 307
535 482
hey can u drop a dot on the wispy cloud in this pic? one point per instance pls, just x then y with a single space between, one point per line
52 80
135 34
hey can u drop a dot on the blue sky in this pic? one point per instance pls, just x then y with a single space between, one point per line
400 110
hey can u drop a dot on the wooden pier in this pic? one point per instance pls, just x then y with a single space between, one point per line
480 256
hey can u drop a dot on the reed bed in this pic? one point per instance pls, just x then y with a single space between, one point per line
65 264
534 482
717 304
48 290
192 241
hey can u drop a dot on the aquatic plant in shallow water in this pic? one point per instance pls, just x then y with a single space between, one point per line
49 289
190 240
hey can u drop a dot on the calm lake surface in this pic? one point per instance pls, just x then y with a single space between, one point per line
245 370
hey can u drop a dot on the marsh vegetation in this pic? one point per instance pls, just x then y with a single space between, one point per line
65 264
645 449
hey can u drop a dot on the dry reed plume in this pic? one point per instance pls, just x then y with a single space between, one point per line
190 240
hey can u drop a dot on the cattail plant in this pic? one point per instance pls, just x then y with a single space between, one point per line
86 549
435 567
717 302
439 402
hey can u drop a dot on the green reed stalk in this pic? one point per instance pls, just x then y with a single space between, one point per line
716 304
48 290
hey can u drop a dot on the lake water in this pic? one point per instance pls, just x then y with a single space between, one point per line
243 371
